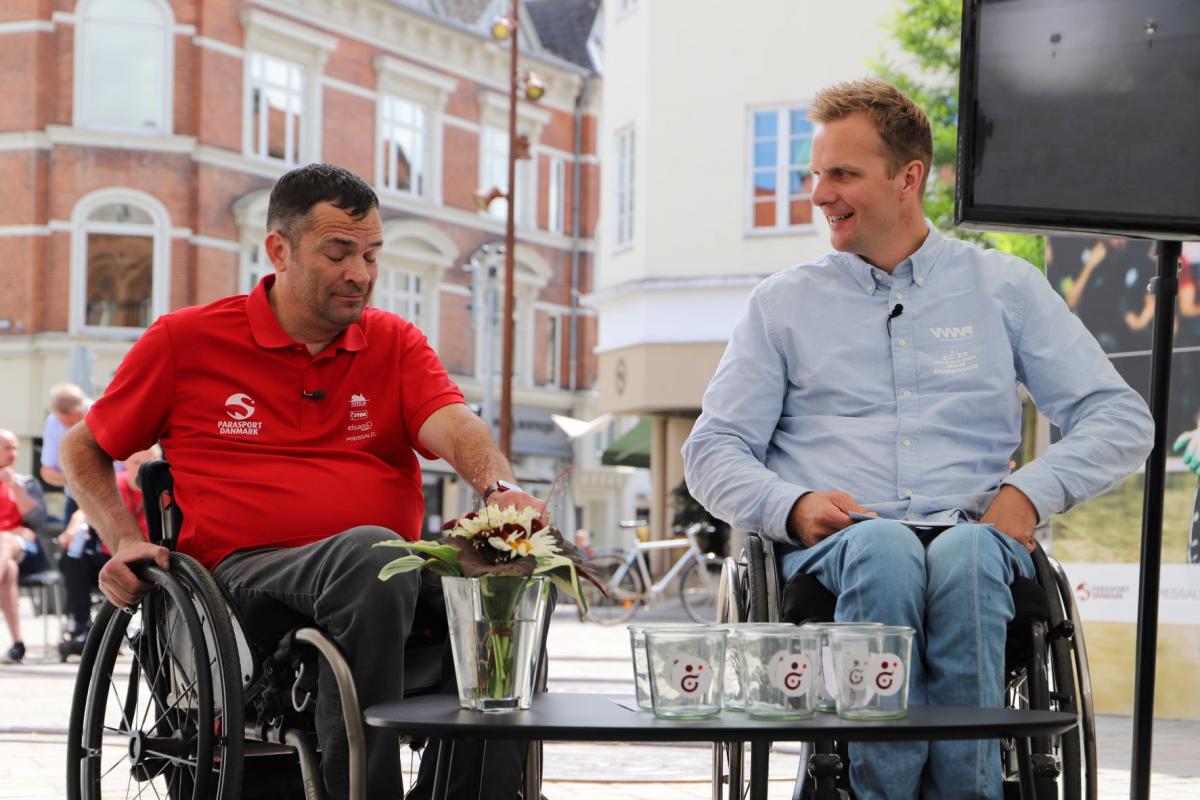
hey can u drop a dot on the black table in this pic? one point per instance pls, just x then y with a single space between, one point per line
597 718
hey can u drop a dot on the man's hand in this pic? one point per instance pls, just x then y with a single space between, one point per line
7 476
518 500
117 581
1189 444
1012 514
819 514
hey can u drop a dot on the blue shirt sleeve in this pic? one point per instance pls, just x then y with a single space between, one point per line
1107 428
725 458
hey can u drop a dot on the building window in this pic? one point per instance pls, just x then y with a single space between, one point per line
623 233
780 180
556 196
401 292
119 258
254 266
403 131
276 108
124 53
493 169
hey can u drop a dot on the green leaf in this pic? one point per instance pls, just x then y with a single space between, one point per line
442 552
400 566
554 566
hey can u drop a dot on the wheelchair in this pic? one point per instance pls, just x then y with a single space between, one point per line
202 710
1046 668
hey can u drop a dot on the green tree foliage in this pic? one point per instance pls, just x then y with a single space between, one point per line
928 35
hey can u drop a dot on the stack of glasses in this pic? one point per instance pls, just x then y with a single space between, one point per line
772 670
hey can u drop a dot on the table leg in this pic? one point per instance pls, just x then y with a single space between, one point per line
760 764
737 758
1028 788
441 772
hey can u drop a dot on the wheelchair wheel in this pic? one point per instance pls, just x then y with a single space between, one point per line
157 706
754 581
699 588
624 595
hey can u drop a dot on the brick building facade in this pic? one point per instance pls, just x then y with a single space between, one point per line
139 140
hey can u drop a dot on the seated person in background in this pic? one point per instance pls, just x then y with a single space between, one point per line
292 418
21 510
882 379
84 555
68 404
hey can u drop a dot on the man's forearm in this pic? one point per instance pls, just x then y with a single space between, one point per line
52 475
93 483
476 458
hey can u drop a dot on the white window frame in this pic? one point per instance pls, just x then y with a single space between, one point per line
493 108
783 197
431 91
387 295
554 357
556 195
532 275
624 148
250 214
279 38
260 134
166 59
420 249
159 230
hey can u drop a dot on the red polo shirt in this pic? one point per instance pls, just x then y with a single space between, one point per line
256 464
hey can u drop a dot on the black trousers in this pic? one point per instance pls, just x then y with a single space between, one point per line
80 574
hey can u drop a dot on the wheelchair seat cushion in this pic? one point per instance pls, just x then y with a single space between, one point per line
805 599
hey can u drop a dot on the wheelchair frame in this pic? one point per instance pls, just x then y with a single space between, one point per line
194 711
750 592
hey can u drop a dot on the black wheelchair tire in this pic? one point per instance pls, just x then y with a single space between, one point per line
217 741
755 582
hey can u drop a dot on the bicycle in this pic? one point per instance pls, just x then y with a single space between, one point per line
626 577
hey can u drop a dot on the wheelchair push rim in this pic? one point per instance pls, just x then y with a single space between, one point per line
145 722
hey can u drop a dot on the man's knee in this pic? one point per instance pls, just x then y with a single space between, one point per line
885 542
362 561
974 547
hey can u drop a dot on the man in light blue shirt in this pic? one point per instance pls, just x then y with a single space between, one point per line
882 379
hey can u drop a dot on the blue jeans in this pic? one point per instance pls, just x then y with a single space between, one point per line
954 594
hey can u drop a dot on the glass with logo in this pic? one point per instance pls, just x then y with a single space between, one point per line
779 669
641 666
871 665
826 675
686 670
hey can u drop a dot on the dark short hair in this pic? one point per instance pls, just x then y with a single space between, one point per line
298 191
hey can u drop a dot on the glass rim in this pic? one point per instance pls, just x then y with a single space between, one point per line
697 633
881 630
642 627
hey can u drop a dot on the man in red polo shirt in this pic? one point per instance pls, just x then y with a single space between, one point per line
290 418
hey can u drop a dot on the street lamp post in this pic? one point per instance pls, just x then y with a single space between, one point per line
505 28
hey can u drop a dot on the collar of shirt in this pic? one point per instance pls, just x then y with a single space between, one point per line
921 264
268 333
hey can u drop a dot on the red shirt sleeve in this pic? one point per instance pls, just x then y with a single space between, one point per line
424 387
132 413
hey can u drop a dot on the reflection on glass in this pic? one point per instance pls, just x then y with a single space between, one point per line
124 59
764 154
119 279
403 141
277 107
765 124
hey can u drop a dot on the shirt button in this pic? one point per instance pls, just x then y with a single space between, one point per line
919 281
899 295
908 442
902 342
907 393
908 492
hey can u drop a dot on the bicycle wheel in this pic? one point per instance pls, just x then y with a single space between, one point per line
698 588
624 593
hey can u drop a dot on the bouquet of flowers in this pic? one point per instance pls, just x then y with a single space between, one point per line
506 550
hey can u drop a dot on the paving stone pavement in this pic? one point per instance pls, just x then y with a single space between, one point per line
35 700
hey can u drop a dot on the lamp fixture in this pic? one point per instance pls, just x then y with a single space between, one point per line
484 197
535 88
502 29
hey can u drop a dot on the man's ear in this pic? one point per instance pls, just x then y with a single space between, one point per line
279 250
912 174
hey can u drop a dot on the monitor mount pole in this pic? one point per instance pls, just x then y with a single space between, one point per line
1165 288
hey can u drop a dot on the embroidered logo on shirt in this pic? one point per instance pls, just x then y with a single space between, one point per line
962 332
360 422
239 407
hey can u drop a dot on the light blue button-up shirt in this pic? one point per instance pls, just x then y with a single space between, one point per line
814 393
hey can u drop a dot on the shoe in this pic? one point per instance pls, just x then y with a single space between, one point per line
71 647
15 653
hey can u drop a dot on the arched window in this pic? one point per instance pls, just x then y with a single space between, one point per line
411 263
118 262
124 65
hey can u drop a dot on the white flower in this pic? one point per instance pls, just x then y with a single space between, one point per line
516 544
494 517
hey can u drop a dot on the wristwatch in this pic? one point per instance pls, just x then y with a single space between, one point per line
499 487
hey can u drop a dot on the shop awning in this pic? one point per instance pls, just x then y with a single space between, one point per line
631 449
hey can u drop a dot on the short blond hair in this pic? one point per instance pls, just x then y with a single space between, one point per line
900 122
66 398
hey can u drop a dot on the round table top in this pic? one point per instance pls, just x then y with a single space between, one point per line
563 716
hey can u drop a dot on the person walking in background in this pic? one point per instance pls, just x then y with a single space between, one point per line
68 404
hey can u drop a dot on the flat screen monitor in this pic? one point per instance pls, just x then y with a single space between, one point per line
1080 115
